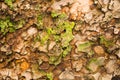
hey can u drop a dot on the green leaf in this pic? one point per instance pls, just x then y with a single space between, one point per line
11 29
54 14
20 24
62 16
44 39
9 3
55 60
84 46
94 63
39 21
37 38
50 75
58 15
90 53
106 42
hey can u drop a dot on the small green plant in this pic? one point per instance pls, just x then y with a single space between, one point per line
44 39
37 38
49 76
55 60
67 36
20 24
95 63
6 26
39 21
9 3
58 15
54 14
50 31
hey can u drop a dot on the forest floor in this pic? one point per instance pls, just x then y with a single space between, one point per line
59 39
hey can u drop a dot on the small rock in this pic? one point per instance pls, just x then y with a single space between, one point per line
43 48
116 30
96 75
4 6
77 65
24 35
78 37
105 77
99 50
66 75
51 45
73 9
110 66
108 36
18 45
31 31
88 17
27 6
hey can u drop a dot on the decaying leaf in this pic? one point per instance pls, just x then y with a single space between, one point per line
94 63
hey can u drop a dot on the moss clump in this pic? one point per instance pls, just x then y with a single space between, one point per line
66 51
20 24
40 21
67 36
55 60
6 26
58 15
9 3
49 76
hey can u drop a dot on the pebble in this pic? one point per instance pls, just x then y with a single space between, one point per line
31 31
66 75
99 50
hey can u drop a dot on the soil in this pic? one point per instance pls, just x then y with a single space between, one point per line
59 40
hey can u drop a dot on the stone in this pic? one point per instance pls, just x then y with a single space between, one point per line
99 50
66 75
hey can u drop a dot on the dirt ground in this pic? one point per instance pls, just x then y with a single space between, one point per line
59 39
